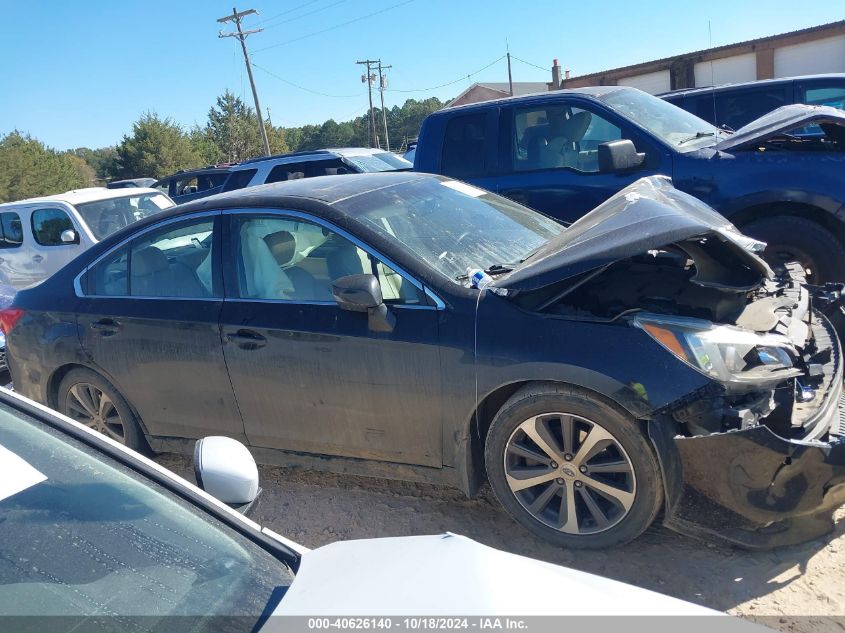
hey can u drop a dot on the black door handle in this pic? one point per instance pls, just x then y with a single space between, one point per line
106 327
246 339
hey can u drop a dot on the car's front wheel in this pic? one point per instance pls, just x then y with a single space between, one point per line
571 468
88 398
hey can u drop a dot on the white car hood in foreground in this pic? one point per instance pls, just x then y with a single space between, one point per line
454 575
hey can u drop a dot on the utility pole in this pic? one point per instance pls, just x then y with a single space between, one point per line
510 77
369 78
382 84
241 35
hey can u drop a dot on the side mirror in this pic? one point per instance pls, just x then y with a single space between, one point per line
362 293
69 236
224 468
616 156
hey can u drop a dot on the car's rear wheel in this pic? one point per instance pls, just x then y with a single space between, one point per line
789 238
88 398
571 468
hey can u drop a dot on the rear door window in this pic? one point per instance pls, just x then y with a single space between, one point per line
464 146
239 179
736 108
48 226
174 262
11 230
286 171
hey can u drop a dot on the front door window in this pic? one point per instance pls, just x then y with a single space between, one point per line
556 136
293 260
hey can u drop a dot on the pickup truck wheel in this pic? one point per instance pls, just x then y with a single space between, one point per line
572 469
791 238
90 399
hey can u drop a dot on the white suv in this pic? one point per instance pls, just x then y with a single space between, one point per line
308 164
40 235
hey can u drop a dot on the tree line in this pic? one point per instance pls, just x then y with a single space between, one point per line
158 146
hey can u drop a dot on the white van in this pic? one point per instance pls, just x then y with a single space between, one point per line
40 235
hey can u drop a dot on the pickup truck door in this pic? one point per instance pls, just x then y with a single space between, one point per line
549 156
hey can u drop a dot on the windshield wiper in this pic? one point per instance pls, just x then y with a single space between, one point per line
493 269
697 136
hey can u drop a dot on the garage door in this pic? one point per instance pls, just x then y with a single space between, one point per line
650 82
821 56
730 70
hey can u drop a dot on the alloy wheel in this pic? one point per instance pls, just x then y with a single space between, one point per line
89 405
569 473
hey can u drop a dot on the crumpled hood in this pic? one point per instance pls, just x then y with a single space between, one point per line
454 575
647 215
784 119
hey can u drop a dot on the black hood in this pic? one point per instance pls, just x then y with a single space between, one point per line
649 214
782 121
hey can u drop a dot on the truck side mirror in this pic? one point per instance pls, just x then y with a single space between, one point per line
618 156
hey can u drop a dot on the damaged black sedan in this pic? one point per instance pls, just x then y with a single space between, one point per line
644 358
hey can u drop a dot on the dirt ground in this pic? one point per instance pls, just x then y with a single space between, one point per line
795 589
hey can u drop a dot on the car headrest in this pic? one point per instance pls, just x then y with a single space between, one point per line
148 260
283 246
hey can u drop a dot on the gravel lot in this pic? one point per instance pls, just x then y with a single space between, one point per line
796 589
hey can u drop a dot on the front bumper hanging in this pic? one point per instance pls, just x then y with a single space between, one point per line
750 487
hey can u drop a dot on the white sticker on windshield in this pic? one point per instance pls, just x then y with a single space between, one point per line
161 202
16 475
462 187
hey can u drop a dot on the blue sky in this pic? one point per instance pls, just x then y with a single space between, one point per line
79 73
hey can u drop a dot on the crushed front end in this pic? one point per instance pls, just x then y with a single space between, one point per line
763 465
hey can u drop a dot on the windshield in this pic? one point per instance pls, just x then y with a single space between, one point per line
85 536
674 125
452 226
105 217
384 161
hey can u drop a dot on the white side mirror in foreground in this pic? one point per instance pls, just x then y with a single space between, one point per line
68 236
225 469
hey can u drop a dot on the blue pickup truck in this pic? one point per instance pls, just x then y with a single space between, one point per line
565 152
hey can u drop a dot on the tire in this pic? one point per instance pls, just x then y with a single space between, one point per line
83 392
790 238
630 471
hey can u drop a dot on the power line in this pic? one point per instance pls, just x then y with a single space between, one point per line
450 83
336 26
304 15
529 63
278 15
290 83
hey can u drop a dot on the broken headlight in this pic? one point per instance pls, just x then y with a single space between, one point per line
731 355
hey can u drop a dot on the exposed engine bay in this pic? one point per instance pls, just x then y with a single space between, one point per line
705 278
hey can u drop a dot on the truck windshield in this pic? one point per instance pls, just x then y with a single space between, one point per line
452 226
105 217
673 125
87 538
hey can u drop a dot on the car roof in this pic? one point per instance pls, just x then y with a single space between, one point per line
590 92
325 189
217 169
750 84
88 194
330 151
